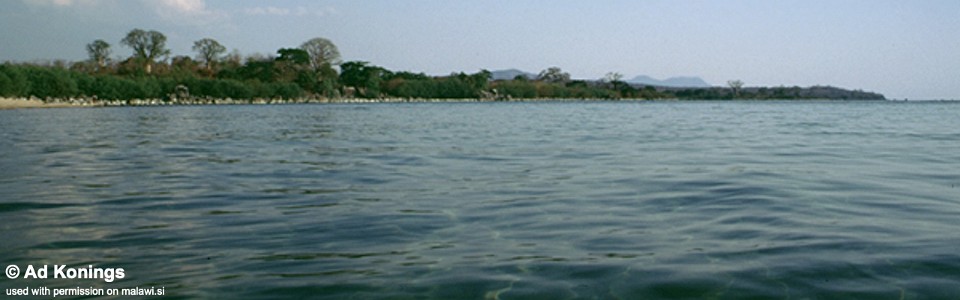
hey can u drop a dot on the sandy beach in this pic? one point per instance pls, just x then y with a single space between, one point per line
13 103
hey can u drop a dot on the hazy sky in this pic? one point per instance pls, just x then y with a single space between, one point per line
899 48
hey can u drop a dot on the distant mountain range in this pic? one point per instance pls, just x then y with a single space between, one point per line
694 82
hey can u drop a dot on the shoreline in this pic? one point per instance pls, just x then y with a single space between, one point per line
31 103
18 103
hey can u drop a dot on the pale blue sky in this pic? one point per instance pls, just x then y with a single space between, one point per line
899 48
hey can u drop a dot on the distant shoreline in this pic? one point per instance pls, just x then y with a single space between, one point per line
16 103
21 103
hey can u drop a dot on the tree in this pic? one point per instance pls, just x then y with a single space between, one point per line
353 73
614 79
293 55
293 65
554 75
322 53
51 82
613 76
480 79
364 78
735 85
99 52
184 65
328 82
233 59
147 46
261 69
13 81
209 51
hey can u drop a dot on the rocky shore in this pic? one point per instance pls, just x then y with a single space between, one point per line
15 103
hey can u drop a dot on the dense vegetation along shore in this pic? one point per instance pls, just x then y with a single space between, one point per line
313 73
13 103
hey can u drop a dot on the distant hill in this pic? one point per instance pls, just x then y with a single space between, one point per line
510 74
670 82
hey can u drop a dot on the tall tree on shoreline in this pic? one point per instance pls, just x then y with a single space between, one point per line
323 53
209 51
614 79
99 52
323 56
736 86
147 46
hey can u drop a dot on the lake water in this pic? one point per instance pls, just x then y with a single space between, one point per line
581 200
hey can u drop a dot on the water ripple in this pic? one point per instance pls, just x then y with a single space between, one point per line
796 200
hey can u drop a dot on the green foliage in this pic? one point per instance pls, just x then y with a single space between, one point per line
477 81
209 51
183 66
328 84
308 80
284 90
99 52
365 79
354 73
147 46
454 88
13 81
412 85
414 88
261 70
5 83
293 66
44 82
554 75
293 55
517 88
51 82
408 76
116 88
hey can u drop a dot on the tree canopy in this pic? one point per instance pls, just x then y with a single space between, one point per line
554 75
99 52
209 51
322 52
147 46
294 56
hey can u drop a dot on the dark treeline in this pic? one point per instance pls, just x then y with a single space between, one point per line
736 91
310 71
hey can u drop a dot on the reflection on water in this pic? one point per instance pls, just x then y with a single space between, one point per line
497 201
